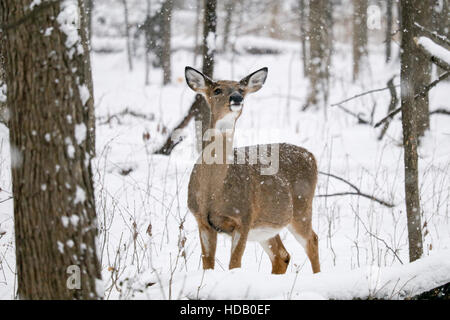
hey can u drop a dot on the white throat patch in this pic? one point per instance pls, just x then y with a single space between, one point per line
227 122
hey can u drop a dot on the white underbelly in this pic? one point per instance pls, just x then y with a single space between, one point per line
263 233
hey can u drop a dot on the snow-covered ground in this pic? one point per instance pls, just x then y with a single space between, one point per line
148 239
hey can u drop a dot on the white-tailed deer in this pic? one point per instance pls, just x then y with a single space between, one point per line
236 198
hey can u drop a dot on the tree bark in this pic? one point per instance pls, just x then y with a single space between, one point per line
359 35
54 205
303 36
87 75
320 35
127 34
388 30
166 10
422 65
89 10
408 75
229 9
199 109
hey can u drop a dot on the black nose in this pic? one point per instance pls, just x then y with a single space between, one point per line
236 98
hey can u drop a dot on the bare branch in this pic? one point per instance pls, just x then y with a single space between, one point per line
430 55
434 35
362 94
357 193
423 92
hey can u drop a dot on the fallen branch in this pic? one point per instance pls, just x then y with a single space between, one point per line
357 192
170 143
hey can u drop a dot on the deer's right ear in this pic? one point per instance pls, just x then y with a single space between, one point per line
196 80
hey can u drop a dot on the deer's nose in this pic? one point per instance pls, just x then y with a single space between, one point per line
236 98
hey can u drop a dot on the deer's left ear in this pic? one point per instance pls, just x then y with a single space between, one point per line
255 80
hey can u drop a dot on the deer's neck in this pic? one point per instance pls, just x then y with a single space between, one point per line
218 152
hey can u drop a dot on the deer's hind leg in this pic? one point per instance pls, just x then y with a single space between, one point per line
309 241
208 240
277 253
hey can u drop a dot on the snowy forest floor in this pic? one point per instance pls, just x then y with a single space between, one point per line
148 240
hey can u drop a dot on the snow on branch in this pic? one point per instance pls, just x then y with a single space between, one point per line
437 54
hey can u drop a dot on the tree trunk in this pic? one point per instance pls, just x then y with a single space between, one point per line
127 34
3 110
166 10
303 35
319 52
197 31
440 21
209 49
409 122
422 65
388 30
229 9
87 77
359 35
199 109
54 205
89 10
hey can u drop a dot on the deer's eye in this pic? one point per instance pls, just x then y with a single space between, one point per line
217 91
241 91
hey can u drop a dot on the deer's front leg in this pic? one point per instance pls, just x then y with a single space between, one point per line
239 240
208 240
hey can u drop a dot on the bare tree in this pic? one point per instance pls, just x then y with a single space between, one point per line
127 34
229 10
359 35
166 11
409 72
89 10
389 22
320 46
421 15
199 109
303 35
54 205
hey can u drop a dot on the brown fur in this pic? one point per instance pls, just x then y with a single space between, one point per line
236 198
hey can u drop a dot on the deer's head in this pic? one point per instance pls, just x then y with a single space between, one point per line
225 98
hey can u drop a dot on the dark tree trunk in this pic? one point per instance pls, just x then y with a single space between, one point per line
359 35
54 205
166 10
422 65
320 35
89 10
229 9
3 117
199 109
303 36
127 34
87 77
409 121
388 30
440 21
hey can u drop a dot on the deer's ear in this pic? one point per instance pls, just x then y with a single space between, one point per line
196 80
255 80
